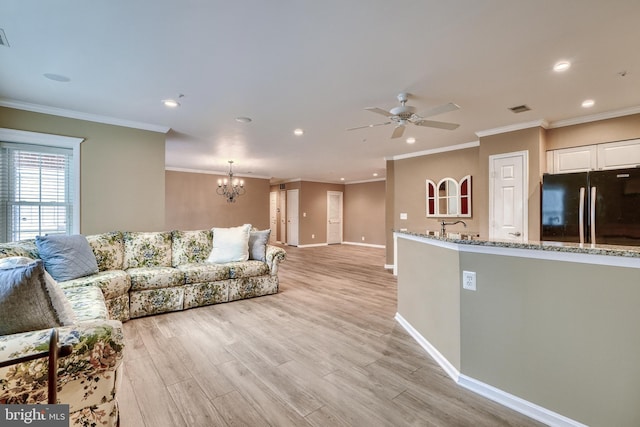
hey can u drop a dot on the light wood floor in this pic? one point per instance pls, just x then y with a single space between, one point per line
324 351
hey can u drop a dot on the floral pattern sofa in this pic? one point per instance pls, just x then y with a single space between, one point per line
140 274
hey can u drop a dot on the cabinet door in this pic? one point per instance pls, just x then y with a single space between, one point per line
578 159
616 155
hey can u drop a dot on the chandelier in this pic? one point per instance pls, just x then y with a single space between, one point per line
231 188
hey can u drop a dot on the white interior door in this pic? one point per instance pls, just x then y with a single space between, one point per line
292 217
508 205
334 215
273 215
283 217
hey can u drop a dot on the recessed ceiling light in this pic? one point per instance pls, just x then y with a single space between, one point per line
57 77
298 132
242 119
341 179
561 66
588 103
171 103
375 174
411 140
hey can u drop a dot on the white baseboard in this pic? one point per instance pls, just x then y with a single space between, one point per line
370 245
516 403
389 266
313 245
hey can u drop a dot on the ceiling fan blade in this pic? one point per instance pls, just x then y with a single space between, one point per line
439 125
444 108
370 126
379 111
398 131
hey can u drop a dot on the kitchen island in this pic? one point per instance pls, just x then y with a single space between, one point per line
552 330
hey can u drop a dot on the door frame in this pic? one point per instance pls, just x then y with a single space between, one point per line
329 194
524 154
293 230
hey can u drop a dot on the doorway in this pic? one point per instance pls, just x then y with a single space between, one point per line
508 202
292 217
334 217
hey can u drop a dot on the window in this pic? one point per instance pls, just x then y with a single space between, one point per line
38 185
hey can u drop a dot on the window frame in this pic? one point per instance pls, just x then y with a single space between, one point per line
49 140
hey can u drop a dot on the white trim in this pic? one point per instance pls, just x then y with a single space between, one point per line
508 400
514 127
451 370
341 194
369 245
365 181
464 146
208 172
70 142
313 245
61 112
389 266
594 117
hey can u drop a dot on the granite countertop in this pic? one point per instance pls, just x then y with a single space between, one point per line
586 248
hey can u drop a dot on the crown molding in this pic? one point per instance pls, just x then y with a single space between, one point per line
595 117
464 146
510 128
61 112
365 181
209 172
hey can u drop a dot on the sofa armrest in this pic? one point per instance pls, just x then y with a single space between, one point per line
274 256
97 353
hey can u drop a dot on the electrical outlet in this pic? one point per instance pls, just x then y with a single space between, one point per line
313 236
469 280
363 238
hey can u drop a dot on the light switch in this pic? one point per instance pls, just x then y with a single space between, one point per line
403 215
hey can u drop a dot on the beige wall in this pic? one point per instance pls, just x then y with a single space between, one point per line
616 129
364 216
122 170
530 140
192 202
313 202
406 191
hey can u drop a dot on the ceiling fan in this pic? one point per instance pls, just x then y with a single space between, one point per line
403 114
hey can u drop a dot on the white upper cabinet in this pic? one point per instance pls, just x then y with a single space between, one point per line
612 155
617 155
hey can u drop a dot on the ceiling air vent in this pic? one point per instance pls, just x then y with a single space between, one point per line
519 109
3 38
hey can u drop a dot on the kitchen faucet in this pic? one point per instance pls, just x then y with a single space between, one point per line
443 224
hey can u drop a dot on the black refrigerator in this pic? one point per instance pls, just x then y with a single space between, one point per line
600 207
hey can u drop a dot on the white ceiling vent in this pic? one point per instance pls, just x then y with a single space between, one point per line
520 109
3 38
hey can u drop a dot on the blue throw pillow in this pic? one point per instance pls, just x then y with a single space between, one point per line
67 257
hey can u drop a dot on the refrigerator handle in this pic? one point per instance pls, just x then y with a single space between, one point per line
581 215
593 215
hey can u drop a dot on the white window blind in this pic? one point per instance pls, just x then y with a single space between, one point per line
35 191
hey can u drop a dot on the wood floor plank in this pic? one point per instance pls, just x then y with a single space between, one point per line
324 351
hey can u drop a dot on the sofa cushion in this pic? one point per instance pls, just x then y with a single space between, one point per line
201 273
230 244
108 249
190 247
29 298
112 283
13 249
258 244
251 268
87 303
66 257
155 277
147 249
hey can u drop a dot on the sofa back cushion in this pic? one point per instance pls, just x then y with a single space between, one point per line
108 249
26 248
147 249
190 247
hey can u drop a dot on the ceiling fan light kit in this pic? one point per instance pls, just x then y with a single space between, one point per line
405 114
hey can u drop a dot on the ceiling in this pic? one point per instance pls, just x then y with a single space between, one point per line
316 65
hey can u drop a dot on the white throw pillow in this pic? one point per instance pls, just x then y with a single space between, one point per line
230 244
